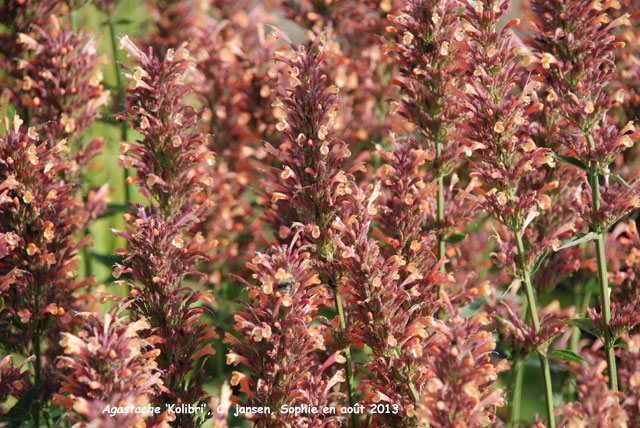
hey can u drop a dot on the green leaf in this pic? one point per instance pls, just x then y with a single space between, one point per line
115 208
538 263
1 303
621 345
618 180
16 415
580 238
19 413
584 324
592 287
573 161
566 355
473 307
478 225
514 282
456 237
108 121
106 260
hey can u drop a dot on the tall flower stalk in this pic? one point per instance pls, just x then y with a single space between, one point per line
18 17
40 218
60 84
380 288
168 160
362 70
168 157
503 154
311 189
283 339
66 99
425 31
574 48
460 389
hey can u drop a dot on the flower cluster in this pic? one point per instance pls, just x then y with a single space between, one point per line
515 174
410 202
62 82
540 241
576 69
597 405
629 372
425 32
108 362
625 318
224 222
460 374
361 70
353 20
627 77
520 336
40 218
574 49
157 259
310 187
167 157
502 154
172 161
578 75
616 201
378 288
234 77
17 16
624 263
174 23
283 339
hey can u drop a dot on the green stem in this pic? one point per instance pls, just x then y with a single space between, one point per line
606 312
516 398
120 98
531 302
86 258
440 209
548 390
414 391
224 313
38 361
347 354
533 312
580 300
594 178
440 218
575 331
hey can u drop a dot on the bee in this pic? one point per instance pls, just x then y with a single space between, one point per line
285 283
